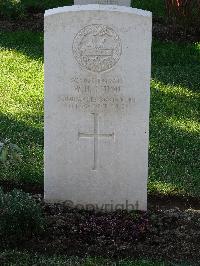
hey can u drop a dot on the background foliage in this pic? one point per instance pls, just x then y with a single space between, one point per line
184 12
20 215
21 8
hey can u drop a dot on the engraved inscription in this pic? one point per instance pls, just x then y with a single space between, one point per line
95 135
97 48
97 95
97 103
91 86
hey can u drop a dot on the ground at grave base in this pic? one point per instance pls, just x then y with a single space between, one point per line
170 235
156 201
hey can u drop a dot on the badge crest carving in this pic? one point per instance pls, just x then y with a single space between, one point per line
97 48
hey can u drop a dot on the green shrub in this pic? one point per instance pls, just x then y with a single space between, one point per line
12 9
41 6
20 215
21 8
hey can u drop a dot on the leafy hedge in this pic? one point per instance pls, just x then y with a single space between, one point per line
20 215
21 8
184 12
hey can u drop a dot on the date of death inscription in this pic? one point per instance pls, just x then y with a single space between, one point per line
97 95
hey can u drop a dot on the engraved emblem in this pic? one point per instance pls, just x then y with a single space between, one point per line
97 48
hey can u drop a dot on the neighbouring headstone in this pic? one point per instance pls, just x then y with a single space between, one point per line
104 2
97 97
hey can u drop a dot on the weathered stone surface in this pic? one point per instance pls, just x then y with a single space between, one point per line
97 97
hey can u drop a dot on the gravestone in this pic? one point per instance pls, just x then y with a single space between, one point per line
97 97
104 2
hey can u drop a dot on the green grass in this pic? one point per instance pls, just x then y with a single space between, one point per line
174 127
21 102
14 258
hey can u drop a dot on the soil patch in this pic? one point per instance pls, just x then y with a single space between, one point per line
35 22
169 230
161 30
171 235
168 32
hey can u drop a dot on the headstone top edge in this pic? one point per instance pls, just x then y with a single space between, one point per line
97 7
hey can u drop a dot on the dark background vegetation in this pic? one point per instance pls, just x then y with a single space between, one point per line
20 8
182 13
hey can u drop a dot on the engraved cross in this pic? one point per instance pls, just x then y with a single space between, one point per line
96 136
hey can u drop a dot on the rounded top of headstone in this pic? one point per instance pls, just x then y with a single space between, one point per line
96 7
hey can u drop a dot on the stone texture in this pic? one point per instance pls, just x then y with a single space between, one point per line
104 2
97 97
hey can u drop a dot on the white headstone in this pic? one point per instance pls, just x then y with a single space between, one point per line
97 97
103 2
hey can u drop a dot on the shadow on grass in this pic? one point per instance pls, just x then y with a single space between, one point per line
20 131
177 64
173 131
173 162
174 123
28 43
31 141
174 142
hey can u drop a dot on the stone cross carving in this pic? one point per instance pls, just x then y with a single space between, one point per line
95 135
